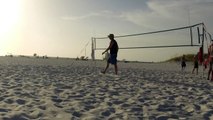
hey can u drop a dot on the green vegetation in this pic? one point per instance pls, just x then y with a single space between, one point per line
188 57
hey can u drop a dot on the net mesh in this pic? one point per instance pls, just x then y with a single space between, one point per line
177 37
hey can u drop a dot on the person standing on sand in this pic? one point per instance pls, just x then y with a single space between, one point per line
195 64
183 62
113 47
210 53
205 64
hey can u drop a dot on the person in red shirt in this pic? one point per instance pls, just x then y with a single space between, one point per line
210 53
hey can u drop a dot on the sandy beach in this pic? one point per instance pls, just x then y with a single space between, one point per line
65 89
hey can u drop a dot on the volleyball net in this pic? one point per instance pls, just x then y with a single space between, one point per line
188 36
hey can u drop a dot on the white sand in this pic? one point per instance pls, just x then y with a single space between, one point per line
64 89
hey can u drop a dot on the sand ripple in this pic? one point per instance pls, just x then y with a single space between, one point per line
51 91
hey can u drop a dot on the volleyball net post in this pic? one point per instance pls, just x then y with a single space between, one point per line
93 49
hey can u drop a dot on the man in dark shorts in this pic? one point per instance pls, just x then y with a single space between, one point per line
113 47
195 64
183 62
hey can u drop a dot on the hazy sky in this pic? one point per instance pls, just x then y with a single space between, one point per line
63 27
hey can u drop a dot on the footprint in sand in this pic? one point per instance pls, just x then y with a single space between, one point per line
57 91
76 114
141 100
21 116
88 107
4 110
20 101
42 107
208 115
136 109
125 105
58 105
106 113
56 99
1 98
8 101
109 104
166 107
117 102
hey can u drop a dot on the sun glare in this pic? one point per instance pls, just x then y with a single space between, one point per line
9 15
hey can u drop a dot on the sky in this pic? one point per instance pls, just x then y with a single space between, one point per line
64 27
